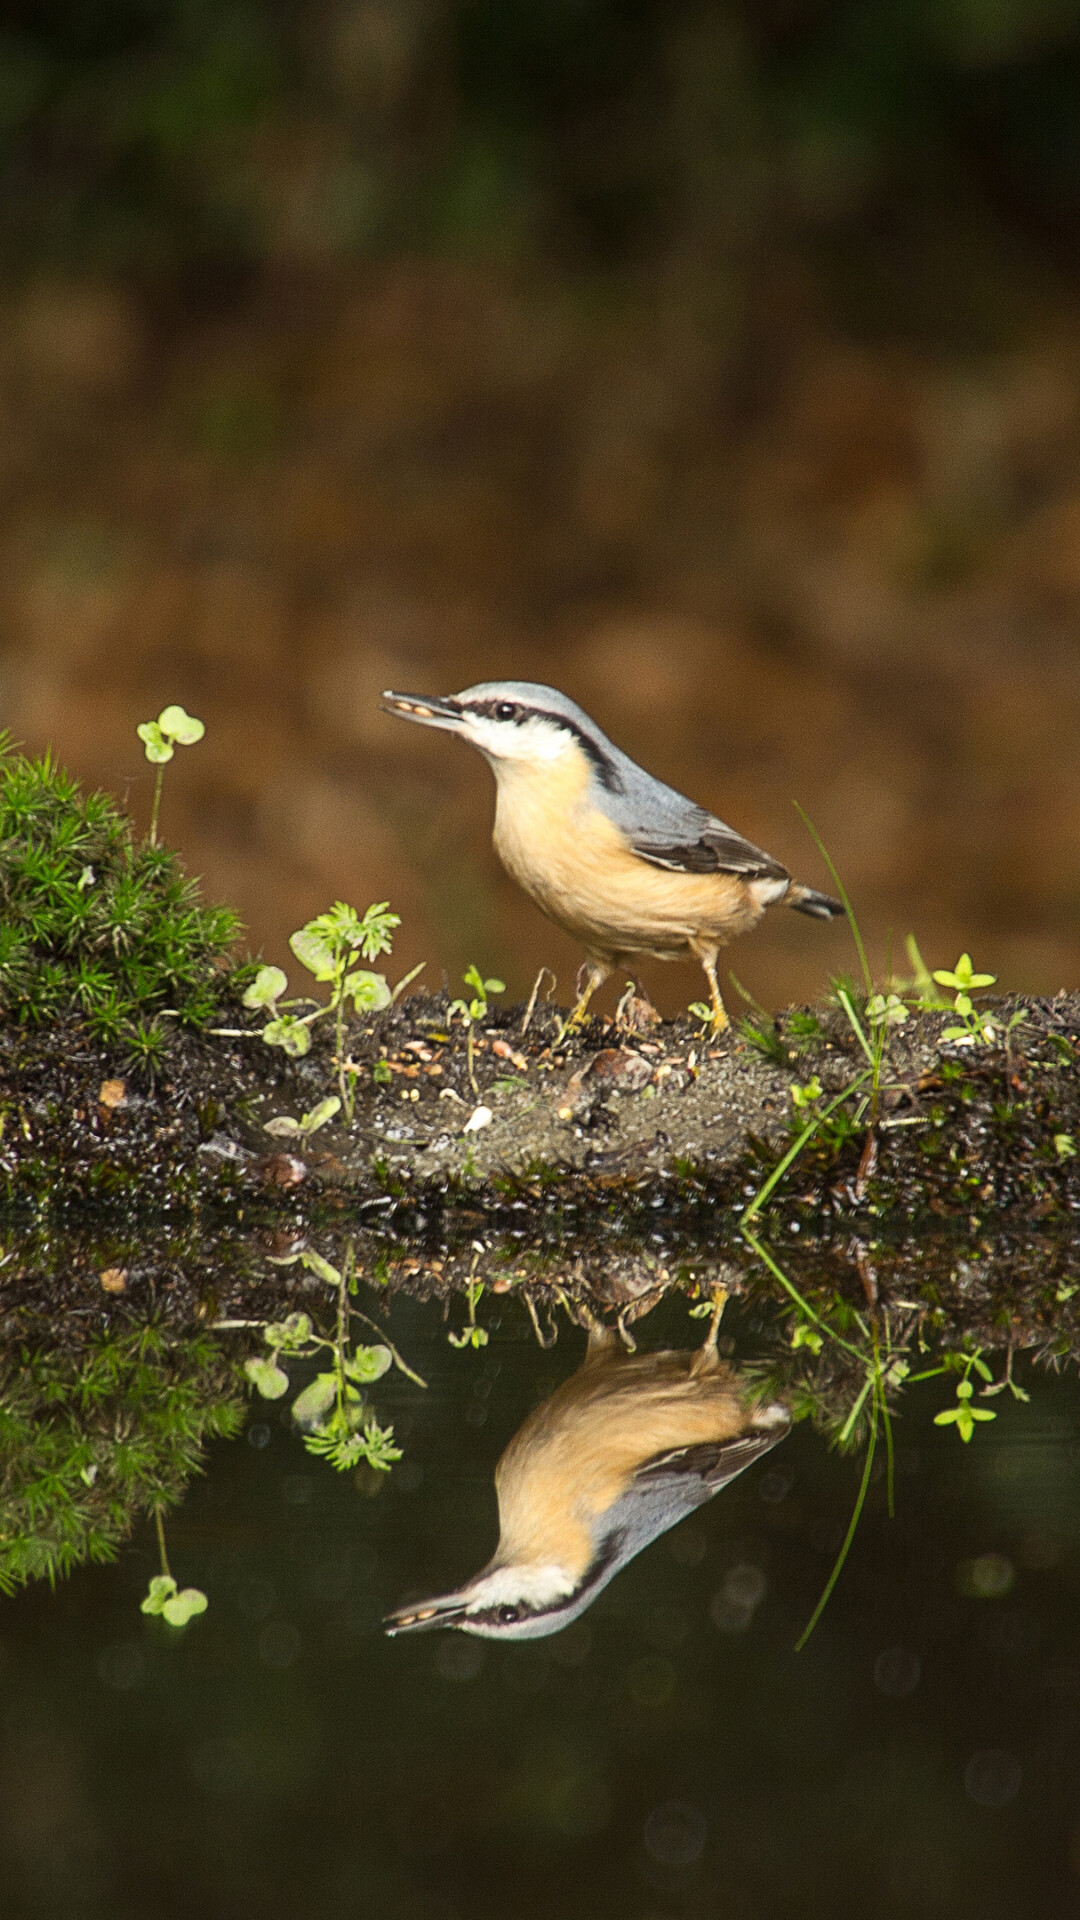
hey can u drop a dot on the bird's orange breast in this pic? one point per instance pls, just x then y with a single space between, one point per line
580 869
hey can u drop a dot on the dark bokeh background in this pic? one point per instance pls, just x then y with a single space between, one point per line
720 364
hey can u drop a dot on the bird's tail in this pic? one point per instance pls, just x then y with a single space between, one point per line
820 906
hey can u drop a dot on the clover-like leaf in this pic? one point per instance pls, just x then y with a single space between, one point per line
805 1335
183 1606
157 749
316 1399
290 1333
268 1379
314 952
368 992
288 1033
266 988
368 1363
182 727
162 1587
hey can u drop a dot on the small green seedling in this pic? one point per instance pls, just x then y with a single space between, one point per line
804 1098
471 1335
974 1027
473 1010
326 946
175 1605
1065 1146
173 728
284 1127
886 1009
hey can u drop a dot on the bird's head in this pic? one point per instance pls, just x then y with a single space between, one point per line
504 1602
512 721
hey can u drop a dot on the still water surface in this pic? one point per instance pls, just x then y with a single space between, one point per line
667 1755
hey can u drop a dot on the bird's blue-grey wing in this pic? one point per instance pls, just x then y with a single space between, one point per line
667 1488
666 829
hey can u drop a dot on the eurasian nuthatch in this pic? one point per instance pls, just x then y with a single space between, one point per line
616 858
620 1452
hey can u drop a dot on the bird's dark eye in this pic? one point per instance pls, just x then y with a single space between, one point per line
507 1615
506 710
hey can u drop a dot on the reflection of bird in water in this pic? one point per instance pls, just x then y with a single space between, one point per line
619 1453
622 862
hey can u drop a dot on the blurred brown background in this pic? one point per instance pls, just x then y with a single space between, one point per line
717 364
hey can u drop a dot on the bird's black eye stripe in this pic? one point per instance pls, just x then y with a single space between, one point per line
509 710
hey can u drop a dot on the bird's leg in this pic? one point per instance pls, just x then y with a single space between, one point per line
720 1019
596 972
708 1357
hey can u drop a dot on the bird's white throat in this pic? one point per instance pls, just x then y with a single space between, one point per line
534 740
536 1586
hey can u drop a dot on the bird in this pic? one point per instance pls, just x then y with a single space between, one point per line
618 1454
624 863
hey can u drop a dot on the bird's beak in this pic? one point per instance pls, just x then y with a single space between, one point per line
431 710
425 1615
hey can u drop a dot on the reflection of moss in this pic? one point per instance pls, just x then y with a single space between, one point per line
93 1437
94 922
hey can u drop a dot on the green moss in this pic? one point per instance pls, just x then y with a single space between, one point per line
92 1439
93 921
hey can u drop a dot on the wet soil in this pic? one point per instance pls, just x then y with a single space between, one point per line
625 1155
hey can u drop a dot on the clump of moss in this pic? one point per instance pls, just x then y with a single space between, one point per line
92 1439
96 923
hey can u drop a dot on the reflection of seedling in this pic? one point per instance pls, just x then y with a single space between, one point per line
471 1335
286 1128
473 1010
337 1425
964 1416
173 728
176 1605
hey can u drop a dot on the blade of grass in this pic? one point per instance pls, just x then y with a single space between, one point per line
793 1293
849 910
838 1567
796 1148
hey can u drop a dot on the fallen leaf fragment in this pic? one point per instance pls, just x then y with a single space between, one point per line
113 1279
619 1069
112 1093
